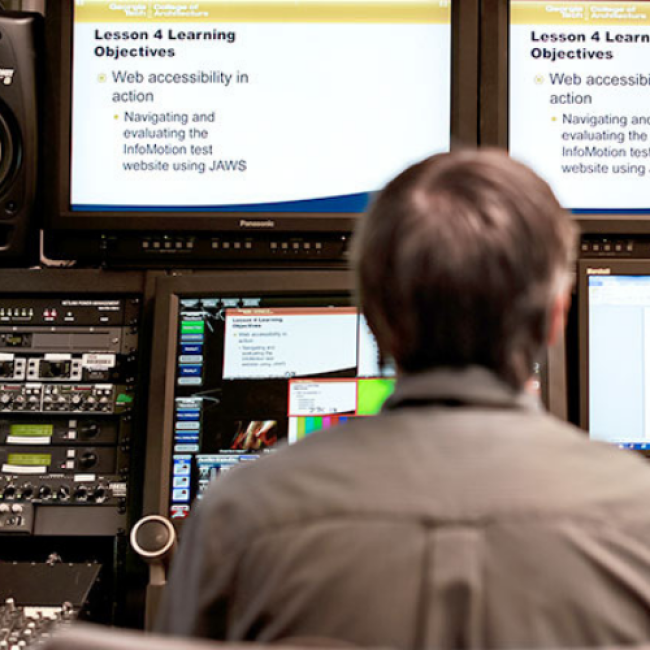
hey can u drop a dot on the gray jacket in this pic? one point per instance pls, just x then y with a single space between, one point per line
462 516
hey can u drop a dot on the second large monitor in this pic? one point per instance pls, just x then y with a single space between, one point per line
578 102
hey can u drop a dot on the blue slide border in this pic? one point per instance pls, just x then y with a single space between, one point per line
609 211
350 203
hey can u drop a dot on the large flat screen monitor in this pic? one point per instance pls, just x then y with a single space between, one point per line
578 105
614 307
245 116
249 361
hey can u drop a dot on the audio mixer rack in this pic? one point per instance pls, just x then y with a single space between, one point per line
71 372
67 376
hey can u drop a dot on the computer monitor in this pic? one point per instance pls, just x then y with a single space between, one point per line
574 106
170 121
247 361
614 315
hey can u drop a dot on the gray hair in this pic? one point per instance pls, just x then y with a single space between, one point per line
459 261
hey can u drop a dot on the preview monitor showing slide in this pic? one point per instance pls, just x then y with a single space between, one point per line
253 371
579 100
615 352
296 109
252 368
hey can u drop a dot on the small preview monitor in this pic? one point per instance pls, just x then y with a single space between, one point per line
614 304
578 101
250 368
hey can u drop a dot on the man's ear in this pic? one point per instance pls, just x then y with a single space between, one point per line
559 311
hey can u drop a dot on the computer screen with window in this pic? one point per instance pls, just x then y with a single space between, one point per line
616 354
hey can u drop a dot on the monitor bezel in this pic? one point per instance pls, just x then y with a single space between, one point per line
495 117
168 291
59 217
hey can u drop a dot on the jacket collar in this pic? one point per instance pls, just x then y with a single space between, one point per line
473 386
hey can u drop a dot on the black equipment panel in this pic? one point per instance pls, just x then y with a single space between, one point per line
20 58
68 371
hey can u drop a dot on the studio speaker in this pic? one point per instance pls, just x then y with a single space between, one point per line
20 51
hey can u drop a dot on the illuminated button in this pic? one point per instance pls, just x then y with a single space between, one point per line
608 248
179 244
237 245
274 245
248 245
146 244
226 245
156 244
296 246
189 244
596 248
307 246
215 243
285 245
619 248
318 246
630 248
168 245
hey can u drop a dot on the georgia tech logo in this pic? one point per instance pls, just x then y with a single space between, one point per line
599 271
7 76
245 223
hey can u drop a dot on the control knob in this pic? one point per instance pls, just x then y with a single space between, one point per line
88 460
88 430
99 494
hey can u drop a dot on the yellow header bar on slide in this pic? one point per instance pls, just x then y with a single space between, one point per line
592 14
265 11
